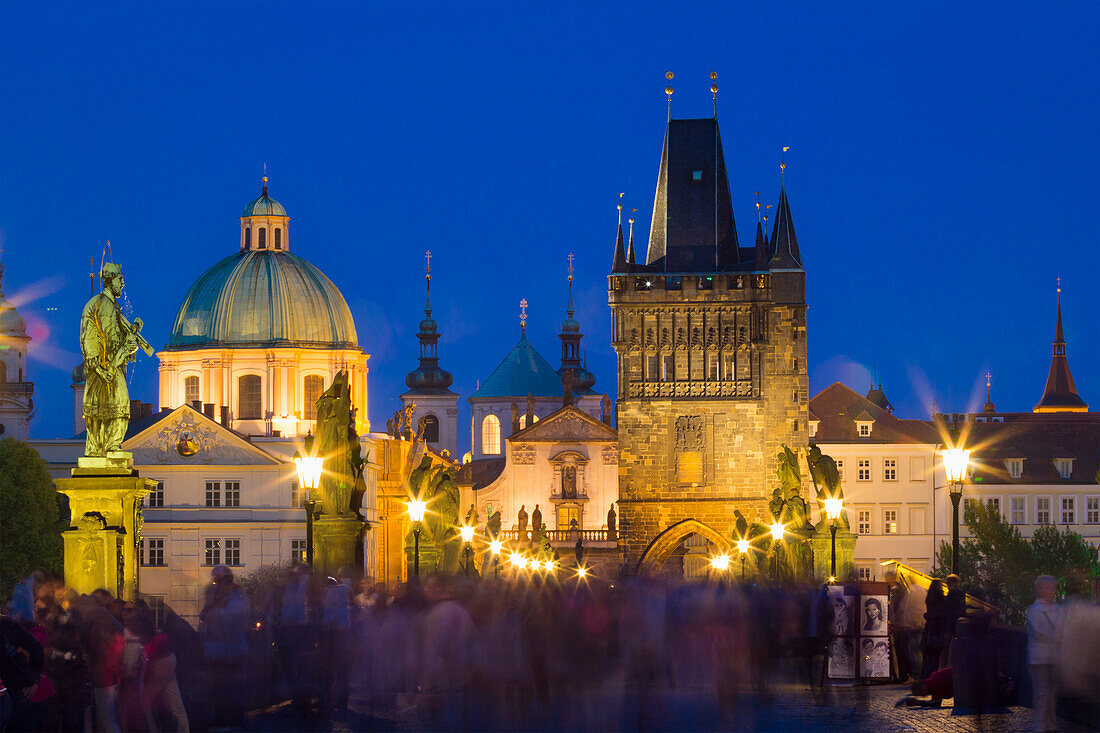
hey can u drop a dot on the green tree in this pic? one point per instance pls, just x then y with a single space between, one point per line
30 536
999 565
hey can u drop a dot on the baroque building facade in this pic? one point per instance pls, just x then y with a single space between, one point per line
711 344
16 390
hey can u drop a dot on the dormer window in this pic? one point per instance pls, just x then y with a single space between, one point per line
1015 467
863 423
813 428
1064 467
864 429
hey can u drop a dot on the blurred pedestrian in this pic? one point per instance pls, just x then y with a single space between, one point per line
1045 624
224 630
954 609
336 640
295 637
935 627
21 664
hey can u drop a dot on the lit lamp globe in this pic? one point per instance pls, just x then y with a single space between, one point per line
742 546
309 470
833 508
582 572
495 546
518 560
777 531
548 566
955 463
467 533
721 562
417 509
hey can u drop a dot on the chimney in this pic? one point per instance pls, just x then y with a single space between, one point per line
208 409
196 405
146 409
224 415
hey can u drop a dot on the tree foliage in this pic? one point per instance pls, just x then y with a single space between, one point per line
999 565
30 535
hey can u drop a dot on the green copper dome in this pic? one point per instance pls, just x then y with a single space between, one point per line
263 298
264 206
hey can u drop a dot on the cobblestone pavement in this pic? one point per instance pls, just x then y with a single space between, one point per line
841 708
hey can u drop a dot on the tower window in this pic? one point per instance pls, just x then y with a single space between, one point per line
431 428
667 368
313 387
278 238
652 366
712 367
190 390
697 175
728 366
249 396
262 240
248 237
490 435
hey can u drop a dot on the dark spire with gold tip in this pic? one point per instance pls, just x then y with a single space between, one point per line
783 249
571 345
989 408
630 259
618 264
1060 394
428 378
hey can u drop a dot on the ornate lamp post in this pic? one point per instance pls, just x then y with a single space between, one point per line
777 536
309 478
955 463
742 548
833 509
416 514
467 537
495 546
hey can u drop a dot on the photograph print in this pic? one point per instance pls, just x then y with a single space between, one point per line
873 610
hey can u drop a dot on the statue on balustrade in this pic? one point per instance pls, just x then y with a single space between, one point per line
536 519
108 342
338 442
492 526
521 521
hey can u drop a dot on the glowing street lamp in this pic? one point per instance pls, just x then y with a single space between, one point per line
582 572
833 509
467 533
720 563
416 514
742 548
548 566
777 536
518 561
309 478
955 464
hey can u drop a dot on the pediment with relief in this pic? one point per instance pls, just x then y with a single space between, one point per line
567 424
187 438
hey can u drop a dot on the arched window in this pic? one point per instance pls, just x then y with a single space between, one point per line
490 435
249 397
523 420
262 240
431 428
190 390
248 237
278 238
314 386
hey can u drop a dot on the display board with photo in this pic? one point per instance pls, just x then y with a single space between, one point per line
873 619
843 603
874 657
842 658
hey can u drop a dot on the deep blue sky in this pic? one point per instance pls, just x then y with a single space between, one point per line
942 171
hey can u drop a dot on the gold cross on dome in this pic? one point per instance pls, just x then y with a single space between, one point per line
428 257
988 379
570 259
523 313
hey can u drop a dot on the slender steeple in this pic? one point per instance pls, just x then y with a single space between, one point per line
630 259
1060 394
989 407
783 253
760 255
428 378
618 264
571 344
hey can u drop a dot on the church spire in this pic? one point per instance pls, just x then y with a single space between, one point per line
783 249
630 259
989 406
571 343
1060 393
618 264
428 378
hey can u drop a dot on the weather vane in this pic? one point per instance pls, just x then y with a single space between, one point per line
620 207
757 195
783 163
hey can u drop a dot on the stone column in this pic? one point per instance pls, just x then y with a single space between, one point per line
336 542
102 541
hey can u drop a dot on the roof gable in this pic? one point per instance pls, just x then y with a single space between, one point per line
523 372
567 424
216 445
838 408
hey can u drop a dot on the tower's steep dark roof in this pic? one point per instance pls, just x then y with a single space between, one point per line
618 262
1060 392
783 251
692 229
760 254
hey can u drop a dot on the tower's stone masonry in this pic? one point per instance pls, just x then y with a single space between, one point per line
712 383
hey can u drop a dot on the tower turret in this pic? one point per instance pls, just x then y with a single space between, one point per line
1060 393
570 336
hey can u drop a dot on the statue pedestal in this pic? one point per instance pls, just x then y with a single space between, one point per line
102 541
335 543
821 543
431 557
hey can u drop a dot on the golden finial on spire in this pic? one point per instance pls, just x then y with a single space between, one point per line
1059 287
523 314
783 163
265 179
668 91
631 220
757 195
570 268
988 380
714 90
766 220
428 268
620 207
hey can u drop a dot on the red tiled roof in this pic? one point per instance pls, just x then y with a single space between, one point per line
1038 438
837 407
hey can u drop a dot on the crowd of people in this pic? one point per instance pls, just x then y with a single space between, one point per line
489 654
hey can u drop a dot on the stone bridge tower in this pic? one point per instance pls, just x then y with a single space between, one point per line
711 345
